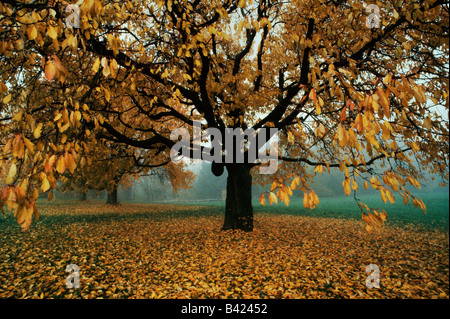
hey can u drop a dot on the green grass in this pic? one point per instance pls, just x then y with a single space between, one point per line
437 215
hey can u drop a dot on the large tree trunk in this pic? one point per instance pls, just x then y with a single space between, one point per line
112 197
238 205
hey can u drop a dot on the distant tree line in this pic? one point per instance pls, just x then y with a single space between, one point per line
157 188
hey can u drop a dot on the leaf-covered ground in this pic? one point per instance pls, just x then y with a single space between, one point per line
164 251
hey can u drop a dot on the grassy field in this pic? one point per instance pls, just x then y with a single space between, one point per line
179 251
437 215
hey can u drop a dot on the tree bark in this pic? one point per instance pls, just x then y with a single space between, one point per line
83 196
112 197
238 203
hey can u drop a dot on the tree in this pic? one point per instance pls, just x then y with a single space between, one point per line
342 94
109 166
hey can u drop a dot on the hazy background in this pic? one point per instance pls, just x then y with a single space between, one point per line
209 187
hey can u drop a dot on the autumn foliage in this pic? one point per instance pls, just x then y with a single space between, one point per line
372 102
175 251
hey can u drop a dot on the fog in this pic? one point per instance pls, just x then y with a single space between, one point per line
207 187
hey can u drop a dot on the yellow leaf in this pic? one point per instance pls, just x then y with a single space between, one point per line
64 127
32 32
70 163
38 130
6 99
78 115
383 195
293 184
273 198
50 71
305 200
45 186
390 197
20 193
289 191
107 95
52 32
106 71
20 213
287 200
57 117
419 94
415 147
274 185
342 135
318 109
319 169
262 200
314 198
291 138
17 117
49 164
321 103
96 65
374 182
11 174
281 194
375 105
35 194
427 123
104 62
28 144
313 96
60 165
114 67
347 188
18 147
50 195
7 147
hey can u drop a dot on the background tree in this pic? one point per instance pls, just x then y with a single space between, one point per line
343 95
109 166
106 169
